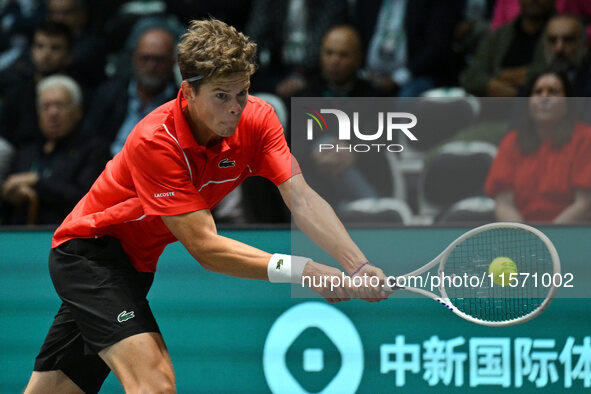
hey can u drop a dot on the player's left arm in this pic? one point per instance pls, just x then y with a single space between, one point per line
579 210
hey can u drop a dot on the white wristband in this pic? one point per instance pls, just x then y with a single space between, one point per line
284 268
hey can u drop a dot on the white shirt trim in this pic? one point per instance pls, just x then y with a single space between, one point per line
177 142
136 220
224 181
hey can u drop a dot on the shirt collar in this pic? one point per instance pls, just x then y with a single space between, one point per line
183 131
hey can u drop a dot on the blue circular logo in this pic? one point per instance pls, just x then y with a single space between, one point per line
336 325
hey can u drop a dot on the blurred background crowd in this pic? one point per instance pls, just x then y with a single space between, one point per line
77 75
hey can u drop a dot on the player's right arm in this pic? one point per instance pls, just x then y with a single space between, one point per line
198 234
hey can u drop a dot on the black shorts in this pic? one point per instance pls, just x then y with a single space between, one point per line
103 302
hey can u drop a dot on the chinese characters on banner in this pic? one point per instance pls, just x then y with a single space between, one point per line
490 361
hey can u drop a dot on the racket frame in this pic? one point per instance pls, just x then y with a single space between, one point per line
441 259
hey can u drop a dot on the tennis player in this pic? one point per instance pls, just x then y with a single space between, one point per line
176 165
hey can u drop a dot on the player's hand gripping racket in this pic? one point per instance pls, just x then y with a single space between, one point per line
505 301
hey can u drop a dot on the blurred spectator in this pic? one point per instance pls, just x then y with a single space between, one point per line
289 34
507 10
18 19
88 50
336 175
230 11
50 176
500 65
581 8
340 61
50 53
125 21
120 64
542 171
408 42
121 103
566 49
472 28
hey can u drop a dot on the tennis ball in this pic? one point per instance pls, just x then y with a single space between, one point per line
501 267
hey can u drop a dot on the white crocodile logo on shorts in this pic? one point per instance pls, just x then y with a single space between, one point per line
124 316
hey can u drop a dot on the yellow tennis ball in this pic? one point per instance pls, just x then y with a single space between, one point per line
500 268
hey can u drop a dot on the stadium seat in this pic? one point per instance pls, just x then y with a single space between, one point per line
376 210
397 177
440 118
456 171
441 113
471 210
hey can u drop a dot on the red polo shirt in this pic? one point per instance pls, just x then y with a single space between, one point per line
162 171
543 182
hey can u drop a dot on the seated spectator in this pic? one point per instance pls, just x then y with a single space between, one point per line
501 62
337 175
49 177
410 50
122 102
566 49
340 62
288 34
580 8
506 11
229 11
120 62
89 51
472 28
18 20
542 171
50 53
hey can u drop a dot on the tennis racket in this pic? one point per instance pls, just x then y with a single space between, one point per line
483 301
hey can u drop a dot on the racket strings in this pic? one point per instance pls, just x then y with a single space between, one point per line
489 301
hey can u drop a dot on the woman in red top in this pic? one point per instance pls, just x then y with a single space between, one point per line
542 172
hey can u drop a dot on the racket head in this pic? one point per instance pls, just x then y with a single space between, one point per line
491 304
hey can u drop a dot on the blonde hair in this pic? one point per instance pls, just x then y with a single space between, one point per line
211 49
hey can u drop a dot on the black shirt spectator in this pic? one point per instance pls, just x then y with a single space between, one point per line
49 176
50 53
89 51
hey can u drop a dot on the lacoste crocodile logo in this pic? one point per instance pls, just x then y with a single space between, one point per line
279 264
125 316
224 163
